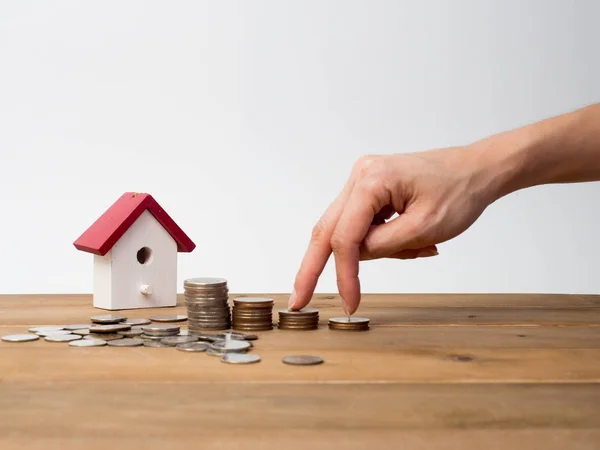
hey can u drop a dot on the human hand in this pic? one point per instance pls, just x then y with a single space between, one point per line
437 194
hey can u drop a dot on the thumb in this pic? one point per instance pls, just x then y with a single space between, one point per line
400 236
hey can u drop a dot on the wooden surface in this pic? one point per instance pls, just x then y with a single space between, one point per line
435 371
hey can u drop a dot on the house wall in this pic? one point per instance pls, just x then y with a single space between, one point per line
160 271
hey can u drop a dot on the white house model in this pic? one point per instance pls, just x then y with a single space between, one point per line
135 245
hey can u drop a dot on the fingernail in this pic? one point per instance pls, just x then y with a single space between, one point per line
292 299
427 252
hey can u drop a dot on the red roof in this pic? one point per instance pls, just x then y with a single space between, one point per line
110 226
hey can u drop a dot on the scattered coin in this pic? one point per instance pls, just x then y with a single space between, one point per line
303 360
128 342
107 319
83 332
169 318
134 321
134 332
52 332
103 336
304 319
62 337
20 337
240 358
88 343
77 326
44 328
213 352
349 323
109 328
230 346
156 344
174 340
192 347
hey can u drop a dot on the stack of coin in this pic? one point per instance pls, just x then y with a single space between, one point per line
157 331
207 303
349 323
252 313
305 319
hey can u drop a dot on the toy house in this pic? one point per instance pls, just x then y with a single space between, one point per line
135 244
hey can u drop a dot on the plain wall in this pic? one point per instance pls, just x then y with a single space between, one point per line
243 119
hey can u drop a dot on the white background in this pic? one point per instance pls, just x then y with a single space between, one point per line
243 119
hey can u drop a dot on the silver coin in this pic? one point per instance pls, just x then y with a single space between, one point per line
205 282
134 321
134 332
62 338
213 352
109 328
343 320
20 337
108 318
147 337
160 327
83 332
230 346
88 343
303 360
44 328
192 347
52 332
259 300
128 342
81 326
240 358
174 340
184 333
157 335
156 344
169 318
103 336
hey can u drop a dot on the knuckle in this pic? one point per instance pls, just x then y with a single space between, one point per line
337 243
319 230
363 164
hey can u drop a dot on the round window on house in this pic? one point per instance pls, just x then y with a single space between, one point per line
144 255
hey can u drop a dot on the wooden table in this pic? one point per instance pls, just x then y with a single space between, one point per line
435 371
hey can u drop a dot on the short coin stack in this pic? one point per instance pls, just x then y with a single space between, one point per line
305 319
252 313
349 323
158 331
207 303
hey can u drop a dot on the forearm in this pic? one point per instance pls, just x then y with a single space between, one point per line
561 149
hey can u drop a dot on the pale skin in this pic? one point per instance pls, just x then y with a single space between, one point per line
438 194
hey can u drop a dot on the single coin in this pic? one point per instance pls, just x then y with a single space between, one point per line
128 342
260 300
169 318
20 337
108 318
135 321
62 337
103 336
156 344
148 337
134 332
303 360
44 328
80 326
239 358
231 345
174 340
192 347
352 320
160 327
83 332
109 328
88 343
52 332
205 282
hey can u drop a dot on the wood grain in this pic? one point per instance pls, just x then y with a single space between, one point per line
524 374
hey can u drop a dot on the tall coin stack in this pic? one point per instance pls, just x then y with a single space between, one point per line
252 313
305 319
207 303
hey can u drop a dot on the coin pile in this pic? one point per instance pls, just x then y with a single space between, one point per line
207 303
158 331
304 319
252 313
349 323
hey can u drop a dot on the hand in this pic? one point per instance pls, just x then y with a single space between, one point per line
437 194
